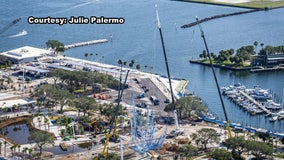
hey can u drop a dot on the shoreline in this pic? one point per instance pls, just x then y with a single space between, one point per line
255 69
220 66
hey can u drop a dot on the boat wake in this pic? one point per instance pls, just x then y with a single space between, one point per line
24 32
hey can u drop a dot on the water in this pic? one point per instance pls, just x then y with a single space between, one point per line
138 39
19 132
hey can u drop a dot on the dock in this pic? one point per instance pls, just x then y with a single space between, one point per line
80 44
255 102
261 69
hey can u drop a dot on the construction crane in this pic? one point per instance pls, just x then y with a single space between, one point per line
113 122
216 80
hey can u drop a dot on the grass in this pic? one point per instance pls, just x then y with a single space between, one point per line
251 4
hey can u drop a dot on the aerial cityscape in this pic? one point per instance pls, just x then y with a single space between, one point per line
182 79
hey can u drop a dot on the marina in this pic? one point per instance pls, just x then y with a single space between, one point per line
254 100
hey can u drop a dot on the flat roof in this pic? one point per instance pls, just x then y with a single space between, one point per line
58 67
26 52
39 70
10 103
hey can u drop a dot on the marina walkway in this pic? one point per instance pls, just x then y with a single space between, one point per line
256 103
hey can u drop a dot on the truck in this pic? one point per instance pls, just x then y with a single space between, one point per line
154 100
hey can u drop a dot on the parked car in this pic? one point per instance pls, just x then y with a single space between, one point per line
141 95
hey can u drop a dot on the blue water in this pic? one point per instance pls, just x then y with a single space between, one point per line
138 39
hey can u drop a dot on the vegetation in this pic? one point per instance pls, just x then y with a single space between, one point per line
205 136
50 96
220 154
55 45
243 57
239 146
188 151
74 80
187 107
41 139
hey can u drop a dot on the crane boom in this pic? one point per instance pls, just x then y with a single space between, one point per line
216 80
114 120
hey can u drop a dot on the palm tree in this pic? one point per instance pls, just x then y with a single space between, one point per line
145 67
255 46
138 67
261 44
97 57
19 147
12 149
86 55
0 148
30 151
5 145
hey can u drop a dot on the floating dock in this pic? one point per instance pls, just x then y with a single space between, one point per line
80 44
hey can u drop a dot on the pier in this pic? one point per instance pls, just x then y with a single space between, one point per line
80 44
255 102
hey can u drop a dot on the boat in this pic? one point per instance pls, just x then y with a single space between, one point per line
272 105
273 118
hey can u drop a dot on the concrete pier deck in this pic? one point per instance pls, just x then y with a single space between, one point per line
85 43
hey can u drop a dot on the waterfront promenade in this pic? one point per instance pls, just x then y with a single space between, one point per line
179 85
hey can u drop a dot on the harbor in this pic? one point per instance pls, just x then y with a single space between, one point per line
255 101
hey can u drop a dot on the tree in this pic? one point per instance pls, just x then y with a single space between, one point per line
85 104
205 136
259 149
41 139
138 67
55 45
220 154
0 148
86 55
255 43
187 107
5 147
238 146
188 151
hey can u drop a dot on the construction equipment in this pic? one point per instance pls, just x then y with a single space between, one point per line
113 123
216 80
177 131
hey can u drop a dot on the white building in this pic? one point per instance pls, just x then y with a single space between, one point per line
25 54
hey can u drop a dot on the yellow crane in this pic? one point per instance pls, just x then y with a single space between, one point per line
113 123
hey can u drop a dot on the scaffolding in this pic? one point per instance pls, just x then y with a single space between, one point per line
143 131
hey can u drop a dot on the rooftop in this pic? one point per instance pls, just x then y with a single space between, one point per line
25 52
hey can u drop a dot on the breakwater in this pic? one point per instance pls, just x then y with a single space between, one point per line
219 16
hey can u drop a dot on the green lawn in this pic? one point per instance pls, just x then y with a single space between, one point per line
250 4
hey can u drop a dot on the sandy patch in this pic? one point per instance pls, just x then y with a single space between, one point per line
232 2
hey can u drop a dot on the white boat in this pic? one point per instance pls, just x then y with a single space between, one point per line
272 105
273 119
